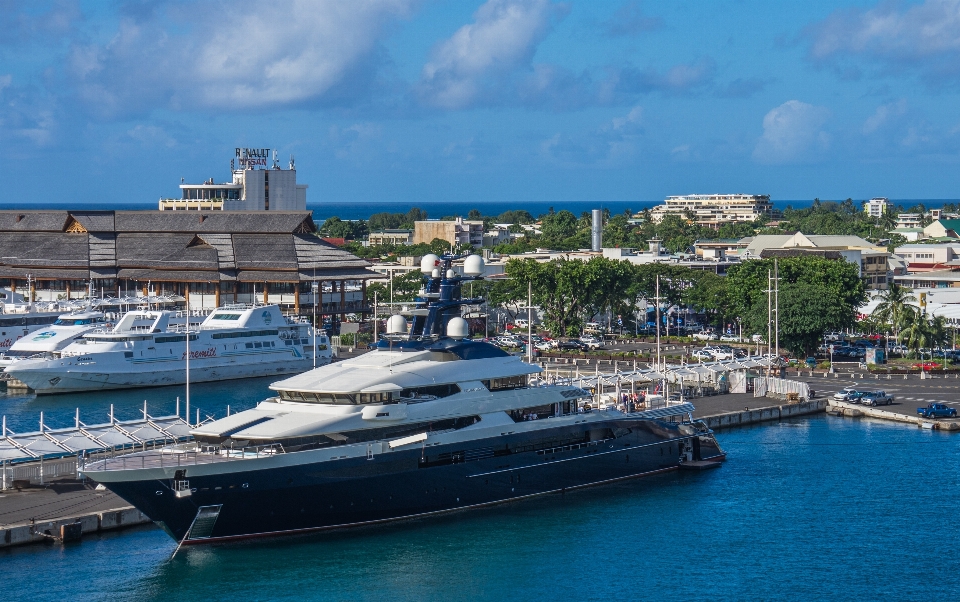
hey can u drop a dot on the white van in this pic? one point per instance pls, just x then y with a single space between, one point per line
593 328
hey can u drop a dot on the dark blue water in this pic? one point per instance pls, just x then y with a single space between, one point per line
354 211
23 411
813 509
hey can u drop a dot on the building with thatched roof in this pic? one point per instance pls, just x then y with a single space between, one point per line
209 257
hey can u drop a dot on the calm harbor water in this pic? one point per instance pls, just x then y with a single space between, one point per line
817 508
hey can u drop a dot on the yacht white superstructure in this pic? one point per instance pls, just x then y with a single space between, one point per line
149 348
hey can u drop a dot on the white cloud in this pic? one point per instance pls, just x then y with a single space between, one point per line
884 115
920 38
792 134
247 56
613 143
502 39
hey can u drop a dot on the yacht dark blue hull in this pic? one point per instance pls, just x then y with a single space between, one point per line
414 482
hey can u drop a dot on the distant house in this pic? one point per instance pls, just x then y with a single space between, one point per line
943 228
872 260
456 232
390 237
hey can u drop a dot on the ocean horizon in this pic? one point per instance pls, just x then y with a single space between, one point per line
435 209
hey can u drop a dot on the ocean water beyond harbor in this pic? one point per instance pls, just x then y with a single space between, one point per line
811 508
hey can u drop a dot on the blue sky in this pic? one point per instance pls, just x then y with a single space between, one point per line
472 101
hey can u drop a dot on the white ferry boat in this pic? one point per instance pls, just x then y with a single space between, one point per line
18 317
49 341
148 349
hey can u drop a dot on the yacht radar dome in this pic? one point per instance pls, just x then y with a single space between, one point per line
429 262
473 265
397 325
451 273
435 273
457 328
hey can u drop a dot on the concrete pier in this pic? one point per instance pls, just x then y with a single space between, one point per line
840 408
765 414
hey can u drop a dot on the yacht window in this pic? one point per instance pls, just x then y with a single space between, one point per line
322 397
226 316
375 397
258 344
430 391
509 382
248 345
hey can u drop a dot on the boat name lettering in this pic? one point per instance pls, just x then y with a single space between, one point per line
211 352
6 342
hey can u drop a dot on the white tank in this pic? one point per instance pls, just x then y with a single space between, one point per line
397 325
473 265
457 328
429 262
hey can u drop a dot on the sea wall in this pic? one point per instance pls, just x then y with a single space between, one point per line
65 527
757 415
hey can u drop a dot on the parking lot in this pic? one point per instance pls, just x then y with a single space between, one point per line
909 394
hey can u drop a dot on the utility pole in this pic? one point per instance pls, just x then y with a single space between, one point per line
769 321
776 301
376 319
657 298
314 286
530 321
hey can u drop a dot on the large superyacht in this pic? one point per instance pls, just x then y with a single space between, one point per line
428 422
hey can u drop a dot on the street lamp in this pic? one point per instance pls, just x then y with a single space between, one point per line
314 286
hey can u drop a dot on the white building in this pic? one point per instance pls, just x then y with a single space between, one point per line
876 207
714 210
255 187
909 220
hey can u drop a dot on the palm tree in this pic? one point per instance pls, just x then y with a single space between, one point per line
916 330
894 304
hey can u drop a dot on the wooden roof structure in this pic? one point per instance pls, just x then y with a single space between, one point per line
181 246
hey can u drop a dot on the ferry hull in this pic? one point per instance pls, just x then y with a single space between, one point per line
407 484
48 382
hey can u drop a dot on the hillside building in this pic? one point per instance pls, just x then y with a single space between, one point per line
714 210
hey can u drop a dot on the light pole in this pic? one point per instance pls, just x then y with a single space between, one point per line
314 286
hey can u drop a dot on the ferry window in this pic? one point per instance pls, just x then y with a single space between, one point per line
127 354
226 316
248 345
258 344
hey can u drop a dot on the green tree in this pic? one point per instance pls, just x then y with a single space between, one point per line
837 282
894 303
405 288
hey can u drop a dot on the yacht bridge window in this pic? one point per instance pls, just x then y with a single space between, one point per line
508 382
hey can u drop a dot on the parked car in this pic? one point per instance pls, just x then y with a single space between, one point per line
937 410
847 394
719 353
702 355
730 338
706 335
876 398
572 346
591 342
